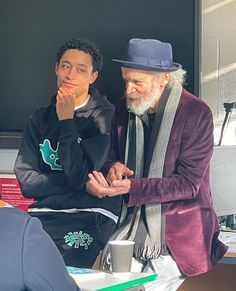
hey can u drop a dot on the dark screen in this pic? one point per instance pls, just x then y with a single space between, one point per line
32 30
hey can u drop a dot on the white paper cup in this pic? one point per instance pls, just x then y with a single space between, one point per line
121 255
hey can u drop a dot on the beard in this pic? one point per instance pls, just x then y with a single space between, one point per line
145 102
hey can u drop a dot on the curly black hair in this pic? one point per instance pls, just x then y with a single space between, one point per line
84 45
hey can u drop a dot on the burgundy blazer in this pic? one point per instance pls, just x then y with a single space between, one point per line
191 228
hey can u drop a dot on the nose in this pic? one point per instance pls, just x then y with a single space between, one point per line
130 88
72 73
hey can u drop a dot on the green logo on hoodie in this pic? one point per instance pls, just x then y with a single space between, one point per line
78 239
49 155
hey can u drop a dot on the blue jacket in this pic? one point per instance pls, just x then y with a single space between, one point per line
29 260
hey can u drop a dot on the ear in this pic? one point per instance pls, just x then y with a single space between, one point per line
56 68
165 79
93 77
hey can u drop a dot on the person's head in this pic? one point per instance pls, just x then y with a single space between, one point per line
78 62
147 67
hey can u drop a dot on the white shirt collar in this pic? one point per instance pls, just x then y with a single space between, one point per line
83 104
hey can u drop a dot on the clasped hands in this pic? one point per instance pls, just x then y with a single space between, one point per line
113 184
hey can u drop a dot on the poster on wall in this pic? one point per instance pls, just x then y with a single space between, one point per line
11 193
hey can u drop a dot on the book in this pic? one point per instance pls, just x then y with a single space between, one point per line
80 274
95 280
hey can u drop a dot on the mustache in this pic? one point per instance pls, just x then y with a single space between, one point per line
133 96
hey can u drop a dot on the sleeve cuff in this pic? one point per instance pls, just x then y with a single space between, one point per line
135 193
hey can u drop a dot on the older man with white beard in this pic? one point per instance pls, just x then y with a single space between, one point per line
161 146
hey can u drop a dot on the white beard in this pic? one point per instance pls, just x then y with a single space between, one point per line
145 104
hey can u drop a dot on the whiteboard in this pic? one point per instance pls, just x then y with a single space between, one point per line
223 180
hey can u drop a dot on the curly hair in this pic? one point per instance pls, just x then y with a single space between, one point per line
84 45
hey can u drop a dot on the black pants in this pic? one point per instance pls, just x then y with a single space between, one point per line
79 236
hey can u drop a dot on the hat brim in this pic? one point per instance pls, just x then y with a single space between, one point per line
133 65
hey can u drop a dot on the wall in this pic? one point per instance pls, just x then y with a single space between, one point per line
7 158
218 62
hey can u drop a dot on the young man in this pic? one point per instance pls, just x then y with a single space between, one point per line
62 143
162 142
29 258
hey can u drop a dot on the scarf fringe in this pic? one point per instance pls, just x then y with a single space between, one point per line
145 253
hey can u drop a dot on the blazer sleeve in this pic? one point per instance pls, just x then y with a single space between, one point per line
43 266
190 165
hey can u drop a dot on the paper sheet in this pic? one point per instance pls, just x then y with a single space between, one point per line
229 238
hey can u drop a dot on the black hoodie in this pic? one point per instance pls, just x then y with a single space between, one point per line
55 156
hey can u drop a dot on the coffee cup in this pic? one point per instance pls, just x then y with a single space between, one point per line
121 255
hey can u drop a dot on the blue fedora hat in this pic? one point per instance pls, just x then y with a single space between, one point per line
148 54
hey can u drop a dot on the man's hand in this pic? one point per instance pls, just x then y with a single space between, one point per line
98 186
65 104
117 172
